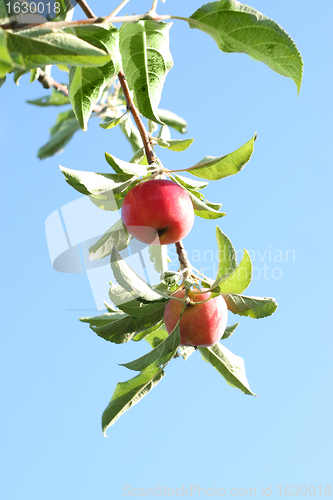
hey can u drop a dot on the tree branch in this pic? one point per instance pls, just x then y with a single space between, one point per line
185 264
131 107
86 9
48 82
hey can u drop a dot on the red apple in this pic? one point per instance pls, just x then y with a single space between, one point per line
201 324
158 212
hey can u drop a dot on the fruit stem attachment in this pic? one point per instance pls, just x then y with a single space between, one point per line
131 107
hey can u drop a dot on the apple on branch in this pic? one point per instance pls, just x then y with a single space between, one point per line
158 212
201 324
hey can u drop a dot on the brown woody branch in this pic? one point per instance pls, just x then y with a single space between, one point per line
185 264
48 82
86 9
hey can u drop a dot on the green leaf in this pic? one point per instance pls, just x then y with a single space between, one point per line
186 351
93 183
116 236
146 333
129 393
124 329
133 136
236 27
121 166
172 120
254 307
130 281
230 366
227 254
112 123
240 278
61 133
159 256
2 81
201 209
135 305
103 319
159 356
19 73
190 183
146 58
155 338
6 62
86 85
40 47
55 98
179 145
229 331
215 168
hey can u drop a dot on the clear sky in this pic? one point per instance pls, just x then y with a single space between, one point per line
192 430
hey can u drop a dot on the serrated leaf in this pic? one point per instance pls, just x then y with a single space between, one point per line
227 254
159 356
61 133
134 138
240 278
172 120
41 47
124 329
86 85
230 366
179 145
6 62
159 256
103 319
146 59
236 27
254 307
55 98
121 166
116 236
190 183
156 337
135 305
93 183
129 393
215 168
229 331
130 281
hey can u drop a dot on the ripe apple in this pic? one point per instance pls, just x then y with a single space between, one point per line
201 324
158 212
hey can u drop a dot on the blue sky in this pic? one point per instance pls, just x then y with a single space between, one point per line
192 429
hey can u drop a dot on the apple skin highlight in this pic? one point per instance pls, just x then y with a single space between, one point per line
158 212
200 325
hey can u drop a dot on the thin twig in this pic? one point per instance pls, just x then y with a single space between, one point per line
185 264
118 9
86 9
48 82
131 107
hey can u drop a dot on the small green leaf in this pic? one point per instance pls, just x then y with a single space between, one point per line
240 278
159 256
111 123
134 136
146 59
61 133
2 81
159 356
179 145
55 98
134 305
124 167
254 307
201 209
229 331
129 393
103 319
6 62
236 27
172 120
186 351
191 183
213 169
230 366
116 236
93 183
156 337
227 254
